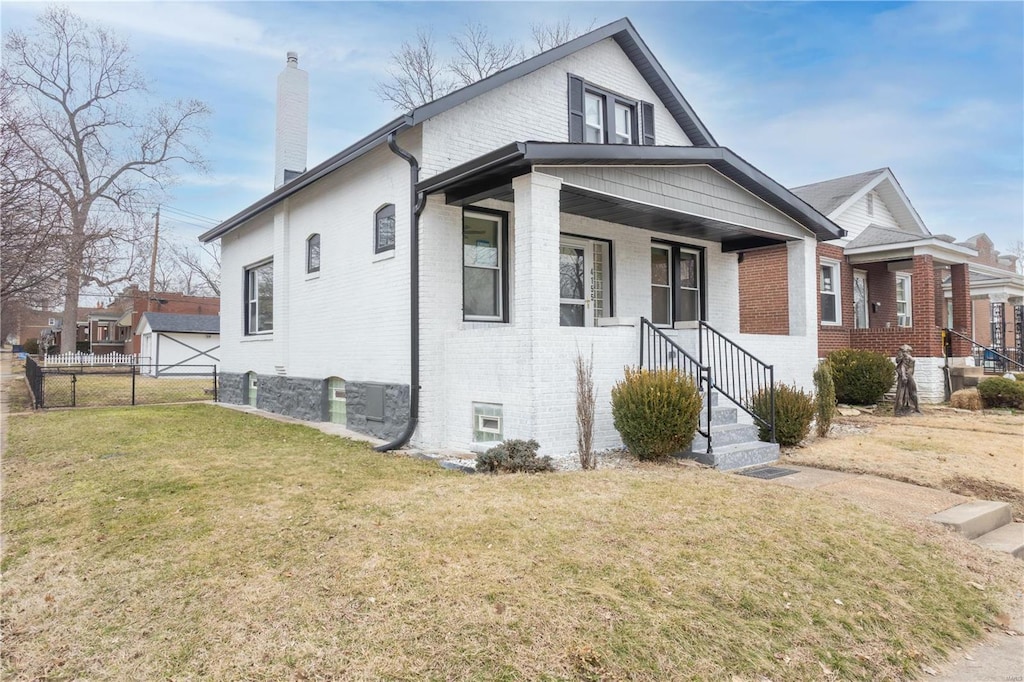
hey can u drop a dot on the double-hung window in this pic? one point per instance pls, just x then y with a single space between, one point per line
484 266
904 316
831 310
676 284
259 297
598 116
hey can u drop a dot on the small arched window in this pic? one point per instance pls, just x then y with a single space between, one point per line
313 253
384 229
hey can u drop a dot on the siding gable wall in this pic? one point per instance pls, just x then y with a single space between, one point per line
856 218
536 108
697 190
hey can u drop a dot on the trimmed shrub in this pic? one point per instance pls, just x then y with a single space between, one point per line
824 397
31 346
966 399
794 411
656 411
1000 392
81 346
514 456
861 376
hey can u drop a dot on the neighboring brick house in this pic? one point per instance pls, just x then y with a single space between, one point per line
113 329
436 280
881 285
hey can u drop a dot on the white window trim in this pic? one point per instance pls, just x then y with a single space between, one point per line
863 275
837 284
252 297
671 307
501 267
908 289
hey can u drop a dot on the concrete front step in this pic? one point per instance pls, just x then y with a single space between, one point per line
1008 538
976 518
719 415
725 434
738 455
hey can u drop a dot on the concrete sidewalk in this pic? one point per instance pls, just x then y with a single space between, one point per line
1000 656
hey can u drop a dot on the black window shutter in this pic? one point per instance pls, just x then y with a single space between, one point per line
647 114
575 109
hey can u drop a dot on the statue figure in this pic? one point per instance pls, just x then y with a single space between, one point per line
906 386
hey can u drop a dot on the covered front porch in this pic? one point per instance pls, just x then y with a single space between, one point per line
564 248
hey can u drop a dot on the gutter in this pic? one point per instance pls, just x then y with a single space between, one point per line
417 202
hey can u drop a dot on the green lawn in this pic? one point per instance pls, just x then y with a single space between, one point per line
198 542
96 389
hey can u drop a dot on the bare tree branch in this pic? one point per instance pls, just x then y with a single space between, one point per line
478 56
547 36
417 74
100 149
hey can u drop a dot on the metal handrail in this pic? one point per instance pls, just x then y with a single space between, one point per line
736 372
985 353
665 353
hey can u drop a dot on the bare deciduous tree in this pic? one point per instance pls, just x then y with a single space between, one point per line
417 75
1017 251
478 56
102 149
190 270
586 399
547 36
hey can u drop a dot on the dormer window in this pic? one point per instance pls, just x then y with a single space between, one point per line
598 116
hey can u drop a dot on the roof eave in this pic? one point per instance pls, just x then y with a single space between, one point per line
299 183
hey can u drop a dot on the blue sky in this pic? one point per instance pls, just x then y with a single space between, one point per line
804 91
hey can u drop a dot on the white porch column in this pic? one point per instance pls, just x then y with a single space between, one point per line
803 287
536 251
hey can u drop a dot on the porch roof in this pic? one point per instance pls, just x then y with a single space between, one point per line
490 177
879 244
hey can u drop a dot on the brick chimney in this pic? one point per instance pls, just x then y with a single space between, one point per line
292 121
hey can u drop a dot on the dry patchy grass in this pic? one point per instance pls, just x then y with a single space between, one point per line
191 541
977 453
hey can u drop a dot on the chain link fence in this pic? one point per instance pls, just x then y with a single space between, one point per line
120 385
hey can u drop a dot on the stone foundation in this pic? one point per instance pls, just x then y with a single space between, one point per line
307 399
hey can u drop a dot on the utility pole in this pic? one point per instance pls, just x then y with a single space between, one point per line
152 262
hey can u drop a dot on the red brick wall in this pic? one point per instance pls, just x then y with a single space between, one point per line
833 337
960 281
926 340
881 290
764 291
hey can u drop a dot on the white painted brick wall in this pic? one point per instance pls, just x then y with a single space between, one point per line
536 107
292 121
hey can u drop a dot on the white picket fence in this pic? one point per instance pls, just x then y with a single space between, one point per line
91 360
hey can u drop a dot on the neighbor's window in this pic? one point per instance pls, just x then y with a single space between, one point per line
829 287
259 297
904 317
384 229
484 276
313 253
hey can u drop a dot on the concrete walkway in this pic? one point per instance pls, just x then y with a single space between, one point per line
1000 657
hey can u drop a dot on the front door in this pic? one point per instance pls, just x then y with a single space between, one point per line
860 299
575 263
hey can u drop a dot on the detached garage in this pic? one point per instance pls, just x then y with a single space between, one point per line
174 344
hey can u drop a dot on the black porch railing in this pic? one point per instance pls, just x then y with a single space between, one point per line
737 373
664 353
993 360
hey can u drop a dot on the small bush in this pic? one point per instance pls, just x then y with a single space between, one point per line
824 398
32 346
966 399
81 346
514 456
794 411
861 376
1000 392
656 412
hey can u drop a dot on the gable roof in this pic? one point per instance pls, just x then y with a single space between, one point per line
833 197
177 322
499 166
622 31
828 195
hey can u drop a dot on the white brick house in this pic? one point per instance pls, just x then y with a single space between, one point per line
434 282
